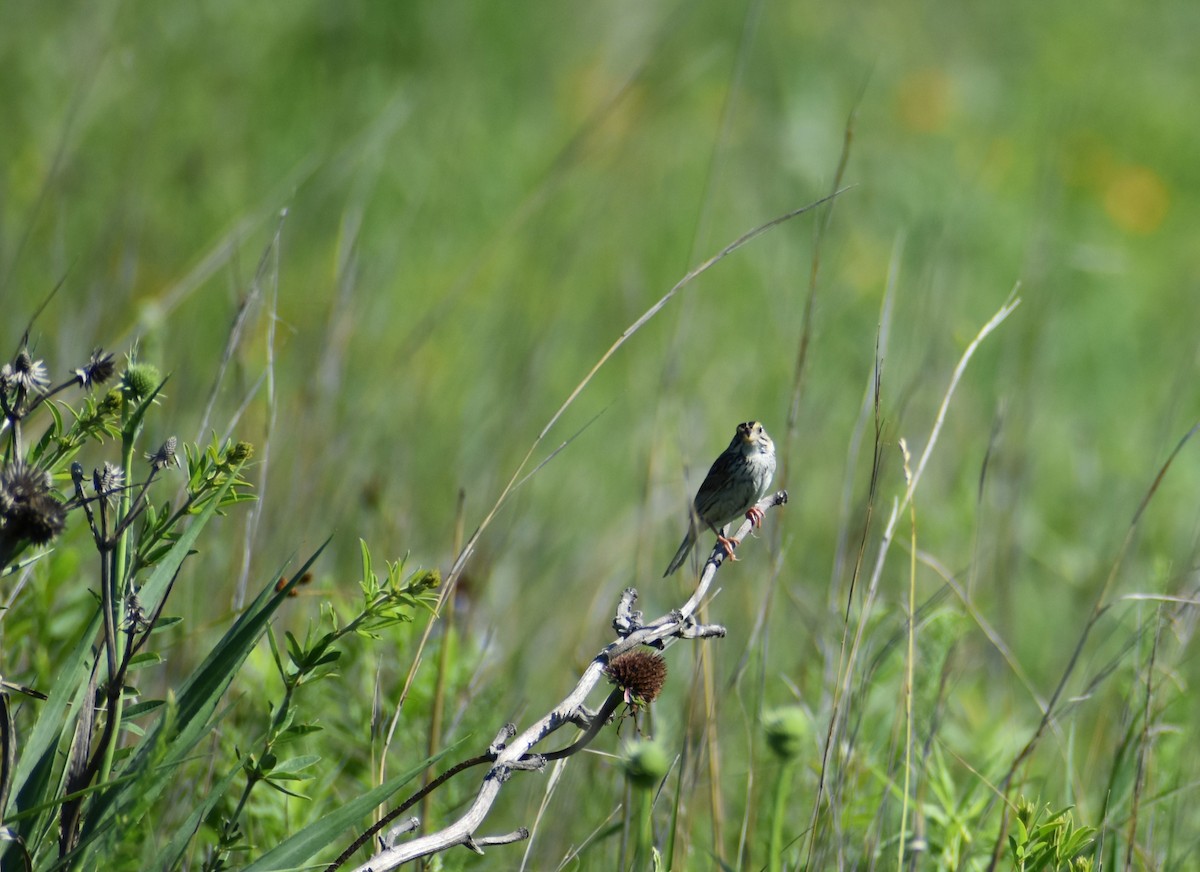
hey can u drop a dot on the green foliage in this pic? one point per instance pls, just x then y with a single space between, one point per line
216 468
956 815
73 791
1045 839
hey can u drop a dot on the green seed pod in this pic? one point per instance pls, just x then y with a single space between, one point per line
646 763
787 731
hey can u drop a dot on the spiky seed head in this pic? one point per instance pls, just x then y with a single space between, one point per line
140 380
28 510
111 404
641 674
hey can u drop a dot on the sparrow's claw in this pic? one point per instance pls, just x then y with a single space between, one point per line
729 543
756 516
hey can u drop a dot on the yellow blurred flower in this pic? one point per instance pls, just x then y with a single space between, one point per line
1136 199
923 100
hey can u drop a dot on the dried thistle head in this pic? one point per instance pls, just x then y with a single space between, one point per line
99 369
164 456
28 510
640 674
24 375
108 481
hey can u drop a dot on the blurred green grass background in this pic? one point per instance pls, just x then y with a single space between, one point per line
481 197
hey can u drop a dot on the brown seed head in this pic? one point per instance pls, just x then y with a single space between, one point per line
27 508
640 674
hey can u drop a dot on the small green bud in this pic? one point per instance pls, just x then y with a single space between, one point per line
111 404
646 764
239 453
787 731
427 579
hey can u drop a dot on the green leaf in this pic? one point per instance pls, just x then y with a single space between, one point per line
275 785
1076 842
295 650
156 586
1020 834
134 421
163 623
328 657
141 708
295 733
295 765
145 659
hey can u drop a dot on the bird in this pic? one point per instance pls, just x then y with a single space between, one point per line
738 479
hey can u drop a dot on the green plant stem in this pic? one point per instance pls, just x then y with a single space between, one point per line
645 832
115 612
443 667
229 827
910 656
435 715
783 787
109 609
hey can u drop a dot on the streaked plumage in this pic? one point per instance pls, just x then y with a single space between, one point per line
738 479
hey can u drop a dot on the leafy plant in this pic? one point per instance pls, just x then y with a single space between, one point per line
70 785
1045 839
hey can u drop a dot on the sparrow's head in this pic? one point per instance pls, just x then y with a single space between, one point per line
752 435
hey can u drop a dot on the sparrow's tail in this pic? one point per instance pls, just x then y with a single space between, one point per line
685 548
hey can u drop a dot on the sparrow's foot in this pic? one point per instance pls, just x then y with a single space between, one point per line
728 543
